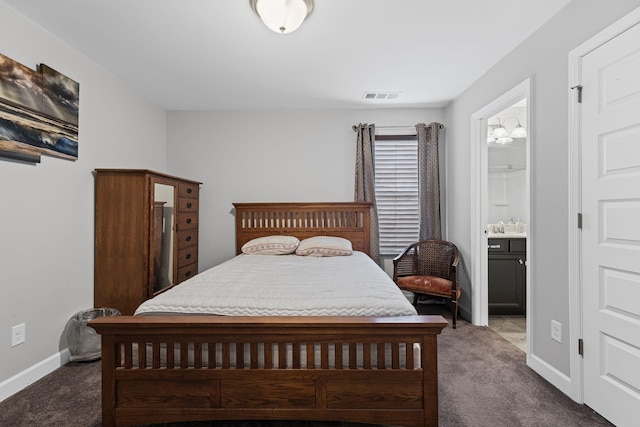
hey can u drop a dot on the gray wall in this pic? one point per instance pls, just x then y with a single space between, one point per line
268 156
46 220
544 58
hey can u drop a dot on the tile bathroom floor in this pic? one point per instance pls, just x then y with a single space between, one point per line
512 328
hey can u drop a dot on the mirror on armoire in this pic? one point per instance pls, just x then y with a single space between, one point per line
163 232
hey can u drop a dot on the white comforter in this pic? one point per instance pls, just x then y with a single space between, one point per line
286 285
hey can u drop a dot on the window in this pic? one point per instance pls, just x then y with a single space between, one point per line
396 182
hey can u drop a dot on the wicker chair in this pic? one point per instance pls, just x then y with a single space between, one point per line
429 268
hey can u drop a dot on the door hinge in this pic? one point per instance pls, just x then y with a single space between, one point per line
580 220
580 347
579 88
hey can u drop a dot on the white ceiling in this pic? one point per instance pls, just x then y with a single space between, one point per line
217 54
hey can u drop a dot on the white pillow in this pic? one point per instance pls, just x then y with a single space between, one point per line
271 245
324 246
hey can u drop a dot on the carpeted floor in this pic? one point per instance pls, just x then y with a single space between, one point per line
484 381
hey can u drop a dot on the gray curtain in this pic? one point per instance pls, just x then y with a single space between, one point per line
365 181
429 181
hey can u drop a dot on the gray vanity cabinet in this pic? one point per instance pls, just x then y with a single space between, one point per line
507 276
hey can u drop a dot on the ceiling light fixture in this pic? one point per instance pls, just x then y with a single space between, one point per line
282 16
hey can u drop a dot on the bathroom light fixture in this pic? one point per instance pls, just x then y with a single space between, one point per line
518 131
282 16
499 131
498 134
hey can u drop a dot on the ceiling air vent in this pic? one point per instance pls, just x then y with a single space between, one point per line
380 96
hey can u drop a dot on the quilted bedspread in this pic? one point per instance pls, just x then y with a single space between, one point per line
286 285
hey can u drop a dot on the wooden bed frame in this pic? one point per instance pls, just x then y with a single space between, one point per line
158 369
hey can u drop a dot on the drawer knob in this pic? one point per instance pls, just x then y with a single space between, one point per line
188 273
188 238
188 205
188 220
189 190
188 256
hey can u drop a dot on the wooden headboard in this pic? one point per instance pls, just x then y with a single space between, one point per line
342 219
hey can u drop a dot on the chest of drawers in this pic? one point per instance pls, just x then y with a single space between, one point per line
146 235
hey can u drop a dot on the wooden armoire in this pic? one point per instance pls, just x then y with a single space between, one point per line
146 235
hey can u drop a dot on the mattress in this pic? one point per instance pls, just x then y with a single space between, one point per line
286 285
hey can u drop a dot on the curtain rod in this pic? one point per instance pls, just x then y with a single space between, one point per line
355 127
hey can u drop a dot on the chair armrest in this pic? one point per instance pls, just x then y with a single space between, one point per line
400 262
395 268
403 254
454 272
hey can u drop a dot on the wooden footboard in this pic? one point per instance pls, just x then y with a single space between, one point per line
380 370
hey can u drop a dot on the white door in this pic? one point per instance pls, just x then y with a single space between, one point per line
611 228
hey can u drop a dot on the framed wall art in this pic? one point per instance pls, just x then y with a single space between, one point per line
38 112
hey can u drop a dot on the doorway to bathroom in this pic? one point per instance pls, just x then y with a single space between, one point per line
501 217
507 222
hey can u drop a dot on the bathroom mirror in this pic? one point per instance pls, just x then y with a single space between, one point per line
163 231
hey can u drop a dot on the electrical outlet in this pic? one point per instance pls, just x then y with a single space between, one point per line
556 331
18 334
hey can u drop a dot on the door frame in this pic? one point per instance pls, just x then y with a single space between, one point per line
479 209
575 194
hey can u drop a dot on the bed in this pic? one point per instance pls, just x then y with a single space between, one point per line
195 367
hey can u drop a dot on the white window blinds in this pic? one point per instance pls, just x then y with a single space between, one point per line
396 182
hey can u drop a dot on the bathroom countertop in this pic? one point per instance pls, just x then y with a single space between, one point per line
493 235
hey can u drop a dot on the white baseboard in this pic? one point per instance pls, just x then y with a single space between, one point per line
11 386
464 313
559 380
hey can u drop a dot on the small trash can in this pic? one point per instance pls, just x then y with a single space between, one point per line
83 340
